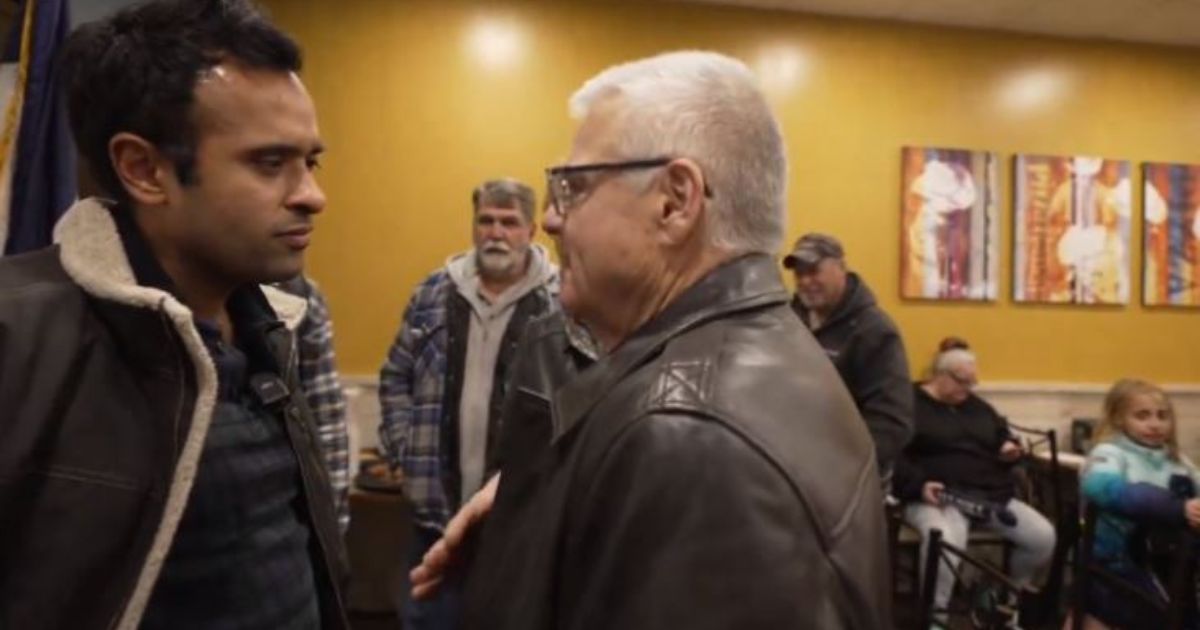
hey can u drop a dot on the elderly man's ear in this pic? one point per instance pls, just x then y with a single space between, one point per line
683 200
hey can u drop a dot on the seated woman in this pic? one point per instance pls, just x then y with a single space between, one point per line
1139 481
963 448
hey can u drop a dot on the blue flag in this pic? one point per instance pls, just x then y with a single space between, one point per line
43 158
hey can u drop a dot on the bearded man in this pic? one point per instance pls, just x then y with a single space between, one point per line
442 385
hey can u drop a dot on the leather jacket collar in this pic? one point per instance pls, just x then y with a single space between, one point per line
748 282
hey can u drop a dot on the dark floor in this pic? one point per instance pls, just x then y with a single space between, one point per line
374 621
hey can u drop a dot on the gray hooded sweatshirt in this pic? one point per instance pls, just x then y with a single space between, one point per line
489 320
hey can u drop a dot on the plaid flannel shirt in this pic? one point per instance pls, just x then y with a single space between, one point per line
323 390
412 385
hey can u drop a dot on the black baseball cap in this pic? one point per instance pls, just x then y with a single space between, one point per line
811 249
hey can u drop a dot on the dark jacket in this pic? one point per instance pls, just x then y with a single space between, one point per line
106 393
551 352
866 347
708 473
958 445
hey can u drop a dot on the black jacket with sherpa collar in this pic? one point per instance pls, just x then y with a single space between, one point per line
106 395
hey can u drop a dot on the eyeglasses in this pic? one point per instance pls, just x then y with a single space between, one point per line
964 382
568 186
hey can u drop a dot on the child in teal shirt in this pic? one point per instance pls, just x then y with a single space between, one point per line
1138 479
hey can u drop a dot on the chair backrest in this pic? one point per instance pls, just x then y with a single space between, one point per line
1046 479
988 578
1086 571
1083 432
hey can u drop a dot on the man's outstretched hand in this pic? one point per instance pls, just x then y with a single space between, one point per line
427 577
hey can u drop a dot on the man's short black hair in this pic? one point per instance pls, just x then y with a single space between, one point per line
136 72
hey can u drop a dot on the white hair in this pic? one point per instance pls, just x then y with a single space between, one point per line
952 359
706 107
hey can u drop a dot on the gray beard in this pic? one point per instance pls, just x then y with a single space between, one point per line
495 265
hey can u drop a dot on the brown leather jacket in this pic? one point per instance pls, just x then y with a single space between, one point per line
711 472
106 392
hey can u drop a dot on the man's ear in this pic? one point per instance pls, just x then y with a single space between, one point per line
684 200
141 169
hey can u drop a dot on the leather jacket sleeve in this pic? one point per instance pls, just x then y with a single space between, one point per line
688 525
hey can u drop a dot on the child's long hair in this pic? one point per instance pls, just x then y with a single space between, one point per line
1116 406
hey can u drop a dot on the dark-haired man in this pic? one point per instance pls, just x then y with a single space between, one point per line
159 467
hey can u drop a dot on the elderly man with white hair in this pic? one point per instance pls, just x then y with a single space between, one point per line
956 473
709 471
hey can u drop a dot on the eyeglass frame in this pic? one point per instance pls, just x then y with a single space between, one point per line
552 197
968 384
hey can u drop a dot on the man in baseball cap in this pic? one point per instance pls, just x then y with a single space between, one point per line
860 339
811 249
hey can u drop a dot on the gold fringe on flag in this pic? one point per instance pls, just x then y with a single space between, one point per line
12 115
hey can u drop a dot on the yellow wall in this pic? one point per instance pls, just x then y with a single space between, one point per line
415 118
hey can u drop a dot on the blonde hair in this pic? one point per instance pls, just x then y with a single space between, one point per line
1116 407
